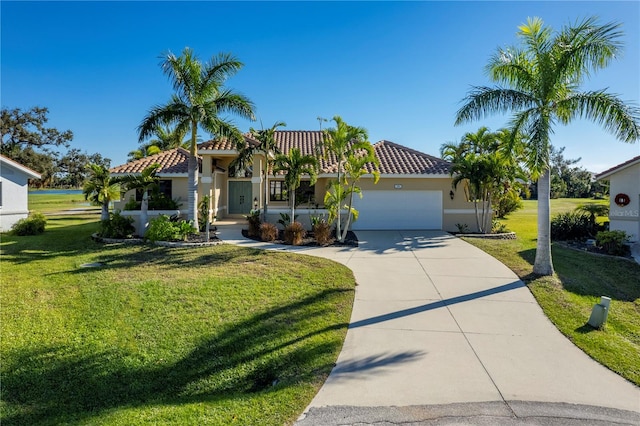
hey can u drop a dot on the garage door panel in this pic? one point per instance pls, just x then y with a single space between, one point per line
399 210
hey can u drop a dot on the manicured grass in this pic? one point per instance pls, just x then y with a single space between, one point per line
216 335
50 203
568 297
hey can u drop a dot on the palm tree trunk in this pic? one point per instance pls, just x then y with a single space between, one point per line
338 234
348 221
475 206
104 215
293 207
543 264
144 212
266 192
192 197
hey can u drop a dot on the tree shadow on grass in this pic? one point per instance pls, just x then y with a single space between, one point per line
586 274
264 353
59 241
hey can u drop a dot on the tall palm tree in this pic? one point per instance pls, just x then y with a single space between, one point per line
340 142
146 180
200 97
294 164
100 188
266 145
538 81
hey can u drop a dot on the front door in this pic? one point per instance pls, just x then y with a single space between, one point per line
240 201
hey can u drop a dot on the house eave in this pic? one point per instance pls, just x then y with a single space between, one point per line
604 175
225 152
160 175
27 171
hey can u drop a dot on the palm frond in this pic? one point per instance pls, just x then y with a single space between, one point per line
587 46
164 115
619 118
229 101
484 101
220 67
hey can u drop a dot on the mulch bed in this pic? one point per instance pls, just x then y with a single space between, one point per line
309 240
591 248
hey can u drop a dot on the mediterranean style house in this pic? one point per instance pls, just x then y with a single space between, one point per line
414 191
624 198
14 191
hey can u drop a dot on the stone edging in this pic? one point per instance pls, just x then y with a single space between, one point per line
501 236
187 244
95 237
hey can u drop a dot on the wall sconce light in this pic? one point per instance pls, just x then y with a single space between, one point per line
451 194
255 203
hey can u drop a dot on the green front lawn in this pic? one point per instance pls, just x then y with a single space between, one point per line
216 335
568 297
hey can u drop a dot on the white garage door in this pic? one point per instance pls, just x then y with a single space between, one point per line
399 209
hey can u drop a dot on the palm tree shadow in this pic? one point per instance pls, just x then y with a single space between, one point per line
600 282
56 384
373 364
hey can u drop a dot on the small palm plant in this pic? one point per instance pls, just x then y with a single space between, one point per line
593 210
146 180
294 164
100 188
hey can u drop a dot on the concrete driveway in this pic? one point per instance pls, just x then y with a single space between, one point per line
441 331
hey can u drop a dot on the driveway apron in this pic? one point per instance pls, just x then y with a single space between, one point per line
437 321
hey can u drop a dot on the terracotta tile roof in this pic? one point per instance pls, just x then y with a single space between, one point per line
618 167
173 161
399 160
394 158
224 144
307 142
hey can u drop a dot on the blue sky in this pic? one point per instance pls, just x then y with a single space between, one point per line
399 69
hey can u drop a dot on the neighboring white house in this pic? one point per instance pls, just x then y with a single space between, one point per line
624 190
14 178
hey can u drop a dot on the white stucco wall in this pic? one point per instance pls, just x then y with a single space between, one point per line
626 218
14 195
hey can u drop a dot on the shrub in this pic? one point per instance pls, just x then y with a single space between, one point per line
117 226
285 219
32 225
132 204
163 229
570 226
294 233
268 232
498 227
613 242
159 201
203 212
184 229
463 228
254 223
507 203
322 232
